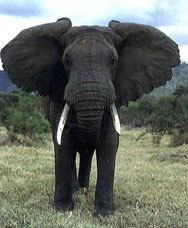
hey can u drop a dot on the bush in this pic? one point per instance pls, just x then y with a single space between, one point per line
5 102
166 115
170 115
21 114
138 111
127 114
163 115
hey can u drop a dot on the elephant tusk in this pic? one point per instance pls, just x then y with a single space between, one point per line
62 122
115 118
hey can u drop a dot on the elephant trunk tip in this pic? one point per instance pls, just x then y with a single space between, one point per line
89 138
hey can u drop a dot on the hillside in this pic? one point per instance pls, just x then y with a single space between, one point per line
180 77
5 84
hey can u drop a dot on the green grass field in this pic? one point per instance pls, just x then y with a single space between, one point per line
150 191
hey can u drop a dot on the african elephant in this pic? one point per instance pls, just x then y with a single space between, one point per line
88 72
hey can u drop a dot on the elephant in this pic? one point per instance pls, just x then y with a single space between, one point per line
87 73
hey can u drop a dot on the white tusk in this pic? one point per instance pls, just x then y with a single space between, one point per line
62 122
115 118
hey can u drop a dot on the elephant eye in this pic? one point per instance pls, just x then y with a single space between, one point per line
67 63
113 61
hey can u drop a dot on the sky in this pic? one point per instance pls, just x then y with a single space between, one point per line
170 16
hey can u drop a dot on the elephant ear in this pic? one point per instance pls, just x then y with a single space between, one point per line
33 59
146 58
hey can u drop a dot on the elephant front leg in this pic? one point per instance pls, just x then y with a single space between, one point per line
74 177
63 179
106 156
104 202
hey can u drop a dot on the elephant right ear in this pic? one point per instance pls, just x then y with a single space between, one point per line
33 59
146 58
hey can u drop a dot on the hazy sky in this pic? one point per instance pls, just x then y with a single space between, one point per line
170 16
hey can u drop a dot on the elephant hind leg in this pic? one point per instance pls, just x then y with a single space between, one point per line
84 168
74 177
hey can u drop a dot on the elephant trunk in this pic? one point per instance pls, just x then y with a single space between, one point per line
89 121
89 107
89 100
89 118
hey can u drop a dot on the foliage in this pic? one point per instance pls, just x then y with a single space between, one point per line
170 115
166 115
21 114
171 111
127 114
5 102
139 110
163 115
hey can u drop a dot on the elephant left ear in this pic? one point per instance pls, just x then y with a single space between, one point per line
146 59
33 59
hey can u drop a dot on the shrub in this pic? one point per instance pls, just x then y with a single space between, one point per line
170 115
129 113
21 114
137 111
6 99
163 115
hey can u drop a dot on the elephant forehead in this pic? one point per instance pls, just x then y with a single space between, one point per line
103 34
89 36
90 48
90 42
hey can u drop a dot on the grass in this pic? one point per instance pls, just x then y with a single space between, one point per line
150 191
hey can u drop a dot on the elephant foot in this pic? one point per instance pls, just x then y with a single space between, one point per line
75 188
64 205
103 212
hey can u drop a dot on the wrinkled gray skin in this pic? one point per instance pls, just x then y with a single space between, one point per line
89 67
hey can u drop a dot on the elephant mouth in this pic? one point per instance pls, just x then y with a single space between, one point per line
65 114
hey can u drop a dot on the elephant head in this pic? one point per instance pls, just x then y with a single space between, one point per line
90 68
